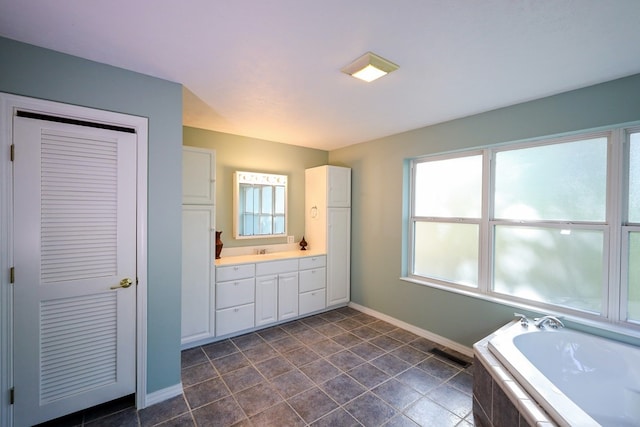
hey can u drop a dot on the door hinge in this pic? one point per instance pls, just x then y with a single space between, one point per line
12 396
12 274
13 152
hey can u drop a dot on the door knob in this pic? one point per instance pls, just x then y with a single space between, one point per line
124 283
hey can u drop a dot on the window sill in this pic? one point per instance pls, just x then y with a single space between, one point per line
624 330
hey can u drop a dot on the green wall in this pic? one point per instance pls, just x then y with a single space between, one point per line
238 153
40 73
377 200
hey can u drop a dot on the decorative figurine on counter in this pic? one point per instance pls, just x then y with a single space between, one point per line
303 244
219 244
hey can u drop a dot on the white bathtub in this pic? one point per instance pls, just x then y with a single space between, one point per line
578 379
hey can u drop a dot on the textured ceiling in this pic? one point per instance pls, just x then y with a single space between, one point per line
270 69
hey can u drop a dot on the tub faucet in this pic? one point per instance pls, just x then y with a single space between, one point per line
551 321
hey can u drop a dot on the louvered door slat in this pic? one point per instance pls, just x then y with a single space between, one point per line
71 179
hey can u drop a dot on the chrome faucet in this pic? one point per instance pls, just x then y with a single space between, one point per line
550 321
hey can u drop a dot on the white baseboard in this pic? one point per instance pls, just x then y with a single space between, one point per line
162 395
467 351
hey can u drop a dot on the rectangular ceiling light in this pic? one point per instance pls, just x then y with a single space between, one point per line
369 67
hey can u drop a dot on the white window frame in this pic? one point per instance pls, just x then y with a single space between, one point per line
615 231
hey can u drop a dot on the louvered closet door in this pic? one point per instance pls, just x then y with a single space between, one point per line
74 239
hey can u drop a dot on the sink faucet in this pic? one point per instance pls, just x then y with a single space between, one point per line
551 321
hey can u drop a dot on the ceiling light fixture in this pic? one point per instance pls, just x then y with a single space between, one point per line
369 67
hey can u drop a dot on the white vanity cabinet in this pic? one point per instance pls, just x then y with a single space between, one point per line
235 298
276 291
251 293
328 226
198 250
312 284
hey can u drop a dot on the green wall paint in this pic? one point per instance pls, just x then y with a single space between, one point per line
377 200
40 73
238 153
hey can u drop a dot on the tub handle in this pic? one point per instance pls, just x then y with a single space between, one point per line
524 321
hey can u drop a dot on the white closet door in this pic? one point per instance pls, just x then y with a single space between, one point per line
74 242
198 272
338 256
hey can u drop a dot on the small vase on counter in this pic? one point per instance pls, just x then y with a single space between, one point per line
303 244
219 244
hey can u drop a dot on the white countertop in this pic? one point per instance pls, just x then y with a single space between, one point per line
271 256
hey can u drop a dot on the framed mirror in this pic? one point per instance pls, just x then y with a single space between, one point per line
259 205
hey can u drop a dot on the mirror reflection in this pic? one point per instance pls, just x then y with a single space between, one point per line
260 205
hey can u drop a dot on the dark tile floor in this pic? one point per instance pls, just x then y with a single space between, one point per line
339 368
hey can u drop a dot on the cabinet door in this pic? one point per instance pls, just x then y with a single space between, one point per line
287 295
339 191
198 273
266 299
338 255
198 176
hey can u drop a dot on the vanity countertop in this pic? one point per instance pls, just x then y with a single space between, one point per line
271 256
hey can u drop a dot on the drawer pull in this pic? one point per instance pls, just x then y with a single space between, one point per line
236 310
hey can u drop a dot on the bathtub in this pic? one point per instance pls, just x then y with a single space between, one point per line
576 378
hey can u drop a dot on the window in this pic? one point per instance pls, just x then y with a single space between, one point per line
549 223
632 230
448 208
534 223
260 205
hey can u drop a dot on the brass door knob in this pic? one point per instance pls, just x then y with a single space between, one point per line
124 283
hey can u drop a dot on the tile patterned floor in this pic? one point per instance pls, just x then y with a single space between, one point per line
339 368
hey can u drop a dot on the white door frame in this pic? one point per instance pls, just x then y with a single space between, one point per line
8 104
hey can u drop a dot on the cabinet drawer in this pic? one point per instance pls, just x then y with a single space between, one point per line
237 292
234 272
234 319
311 280
313 262
311 301
276 267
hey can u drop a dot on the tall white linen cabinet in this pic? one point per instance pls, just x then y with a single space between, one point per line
328 226
198 244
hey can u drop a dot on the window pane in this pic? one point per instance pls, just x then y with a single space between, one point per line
449 188
278 224
247 225
447 252
267 199
562 267
634 277
280 196
566 181
265 225
634 179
